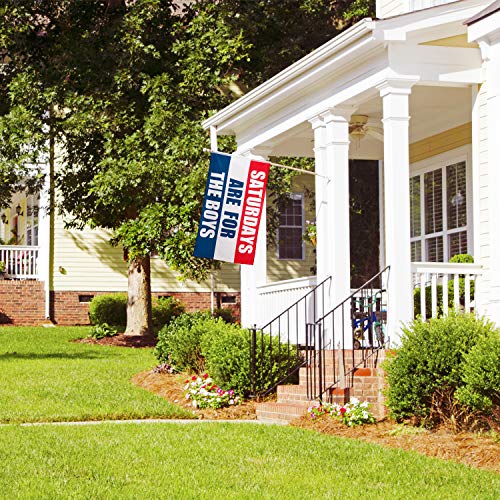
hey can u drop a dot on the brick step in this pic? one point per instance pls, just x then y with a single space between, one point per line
328 374
281 412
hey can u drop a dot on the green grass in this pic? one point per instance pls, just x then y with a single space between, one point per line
217 460
46 377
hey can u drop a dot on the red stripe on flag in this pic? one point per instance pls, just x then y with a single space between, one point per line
255 195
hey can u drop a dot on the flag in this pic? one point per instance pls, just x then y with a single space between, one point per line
232 208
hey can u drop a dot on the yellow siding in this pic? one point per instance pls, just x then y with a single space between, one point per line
85 261
278 270
440 143
452 41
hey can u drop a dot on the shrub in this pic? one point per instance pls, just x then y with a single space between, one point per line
429 363
226 314
179 342
196 342
110 309
228 359
480 374
2 266
462 258
165 309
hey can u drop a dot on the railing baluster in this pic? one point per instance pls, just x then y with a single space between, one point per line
467 293
434 294
456 292
423 305
445 294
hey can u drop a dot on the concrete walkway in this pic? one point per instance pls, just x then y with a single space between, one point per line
137 421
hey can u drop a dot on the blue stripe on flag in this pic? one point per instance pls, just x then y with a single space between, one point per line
212 206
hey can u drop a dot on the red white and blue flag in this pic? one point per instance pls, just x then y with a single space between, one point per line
232 208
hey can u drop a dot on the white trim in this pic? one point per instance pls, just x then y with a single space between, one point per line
441 161
446 268
293 196
279 286
304 65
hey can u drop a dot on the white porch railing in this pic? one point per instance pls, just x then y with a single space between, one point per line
274 298
431 277
21 262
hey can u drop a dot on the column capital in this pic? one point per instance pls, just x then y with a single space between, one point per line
340 113
316 122
400 86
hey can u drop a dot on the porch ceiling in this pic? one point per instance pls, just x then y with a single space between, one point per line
348 69
432 110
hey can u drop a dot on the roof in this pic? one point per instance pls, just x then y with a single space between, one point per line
491 9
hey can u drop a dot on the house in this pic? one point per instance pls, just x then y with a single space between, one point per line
52 273
418 91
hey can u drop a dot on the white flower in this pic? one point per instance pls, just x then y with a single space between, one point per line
354 401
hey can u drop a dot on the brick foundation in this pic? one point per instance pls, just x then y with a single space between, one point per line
22 302
67 308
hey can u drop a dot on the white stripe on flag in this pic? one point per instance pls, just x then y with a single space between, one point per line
226 247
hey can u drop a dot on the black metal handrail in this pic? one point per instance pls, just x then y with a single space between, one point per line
276 348
364 311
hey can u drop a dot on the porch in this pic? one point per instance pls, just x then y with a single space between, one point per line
405 93
20 261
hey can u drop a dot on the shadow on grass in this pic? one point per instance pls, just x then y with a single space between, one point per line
56 355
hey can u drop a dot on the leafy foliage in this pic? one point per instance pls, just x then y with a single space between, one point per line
165 309
179 343
109 308
226 314
480 374
102 330
431 358
228 360
196 342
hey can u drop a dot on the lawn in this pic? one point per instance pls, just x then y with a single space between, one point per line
46 377
220 460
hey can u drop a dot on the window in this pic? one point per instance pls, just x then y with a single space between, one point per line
438 213
291 229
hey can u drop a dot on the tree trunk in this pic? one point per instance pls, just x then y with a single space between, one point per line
139 311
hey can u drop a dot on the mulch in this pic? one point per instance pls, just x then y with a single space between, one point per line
475 450
171 388
122 340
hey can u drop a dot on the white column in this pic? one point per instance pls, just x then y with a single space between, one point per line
337 193
323 239
251 277
395 99
493 93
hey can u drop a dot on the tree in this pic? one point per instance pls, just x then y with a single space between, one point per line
114 92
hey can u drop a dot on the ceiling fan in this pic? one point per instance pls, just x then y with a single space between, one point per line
359 128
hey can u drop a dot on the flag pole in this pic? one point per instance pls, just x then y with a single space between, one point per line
279 165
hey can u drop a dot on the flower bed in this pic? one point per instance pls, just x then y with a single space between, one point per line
203 393
351 414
